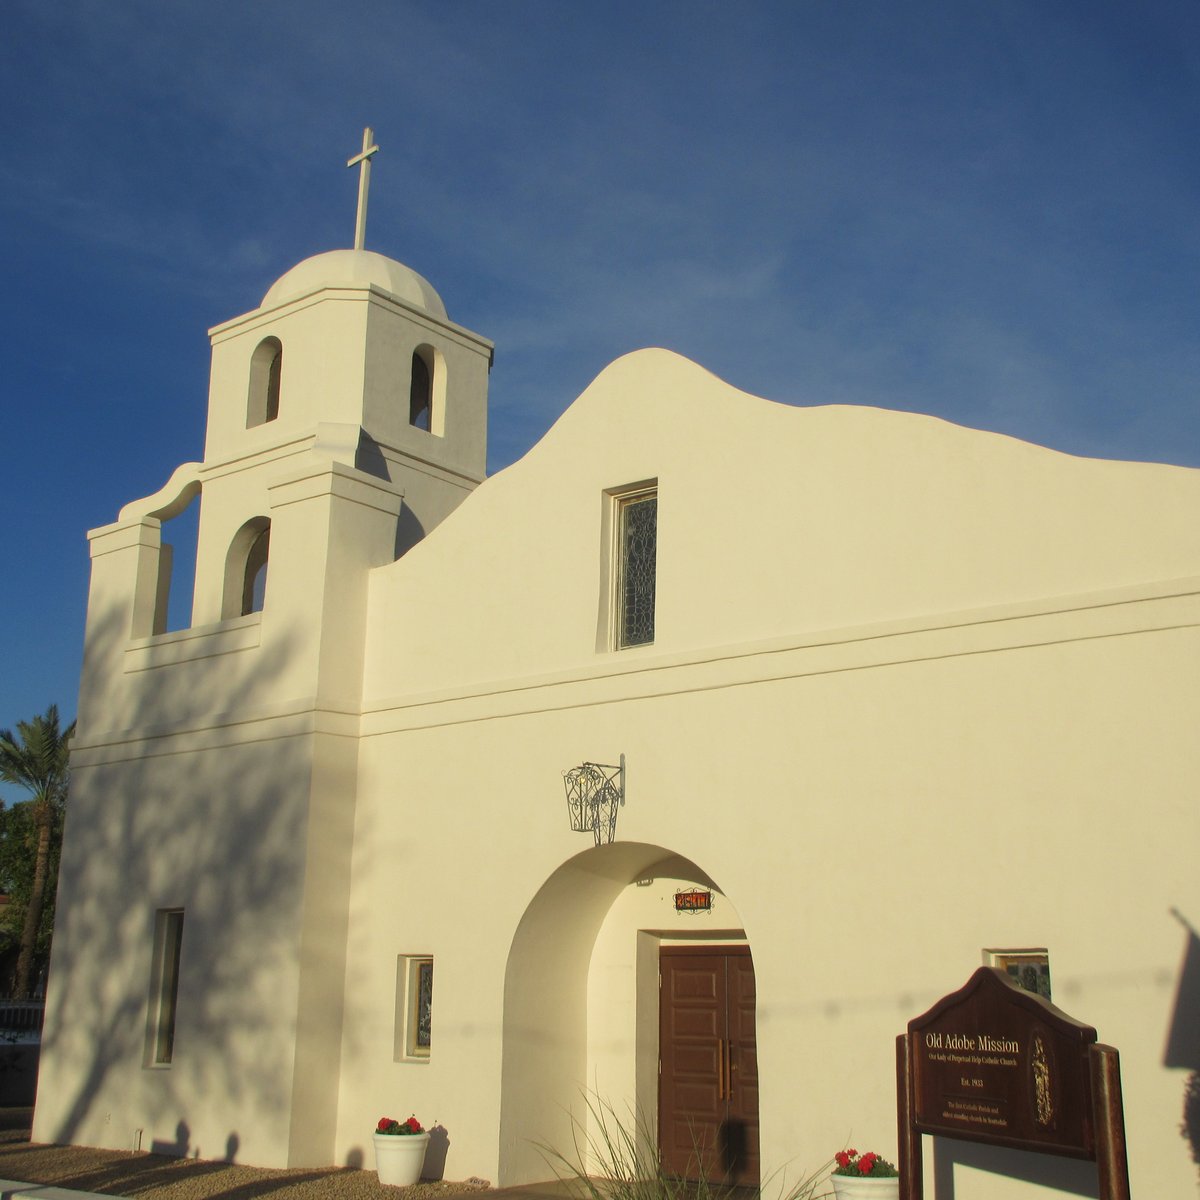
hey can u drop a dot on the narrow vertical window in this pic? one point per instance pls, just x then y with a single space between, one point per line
164 985
421 1015
420 393
637 556
273 370
414 1007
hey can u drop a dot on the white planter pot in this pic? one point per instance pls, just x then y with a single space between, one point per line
863 1187
400 1157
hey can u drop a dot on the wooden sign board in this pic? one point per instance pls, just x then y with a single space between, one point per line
993 1063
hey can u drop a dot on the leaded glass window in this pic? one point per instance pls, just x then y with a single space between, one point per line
414 1007
637 550
423 1007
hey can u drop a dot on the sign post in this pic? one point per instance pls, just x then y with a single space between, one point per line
992 1063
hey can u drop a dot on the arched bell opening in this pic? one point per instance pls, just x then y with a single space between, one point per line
427 391
167 561
246 563
266 370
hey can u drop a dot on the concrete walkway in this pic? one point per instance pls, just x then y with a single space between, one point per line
83 1173
12 1189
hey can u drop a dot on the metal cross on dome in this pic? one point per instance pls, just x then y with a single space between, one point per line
362 160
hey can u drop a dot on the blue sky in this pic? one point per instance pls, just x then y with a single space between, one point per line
985 211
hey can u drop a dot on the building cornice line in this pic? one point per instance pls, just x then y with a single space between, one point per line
369 293
1003 629
212 732
621 665
409 718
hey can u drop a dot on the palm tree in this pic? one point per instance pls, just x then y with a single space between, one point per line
36 759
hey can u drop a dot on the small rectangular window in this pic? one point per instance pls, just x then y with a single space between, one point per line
636 567
1028 969
414 1007
164 986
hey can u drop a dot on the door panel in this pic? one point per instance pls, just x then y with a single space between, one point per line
690 1016
743 1066
708 1064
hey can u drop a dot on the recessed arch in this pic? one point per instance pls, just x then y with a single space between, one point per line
266 371
245 582
551 999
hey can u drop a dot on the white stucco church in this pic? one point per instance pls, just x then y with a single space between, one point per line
870 697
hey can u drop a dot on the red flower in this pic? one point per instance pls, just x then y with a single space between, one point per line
413 1124
852 1152
867 1163
842 1158
384 1122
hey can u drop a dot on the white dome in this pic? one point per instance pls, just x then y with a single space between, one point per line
355 268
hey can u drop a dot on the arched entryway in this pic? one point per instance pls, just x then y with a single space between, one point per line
582 1016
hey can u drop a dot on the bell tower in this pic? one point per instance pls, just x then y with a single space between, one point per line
347 417
352 339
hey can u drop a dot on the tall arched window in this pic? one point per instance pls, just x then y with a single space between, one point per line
266 366
246 569
420 392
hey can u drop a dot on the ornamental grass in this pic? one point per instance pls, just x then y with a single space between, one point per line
619 1160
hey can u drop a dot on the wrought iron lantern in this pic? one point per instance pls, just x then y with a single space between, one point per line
594 792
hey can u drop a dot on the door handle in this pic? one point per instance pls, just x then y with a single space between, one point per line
729 1070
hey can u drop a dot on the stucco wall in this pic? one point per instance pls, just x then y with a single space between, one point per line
214 834
876 812
915 691
772 520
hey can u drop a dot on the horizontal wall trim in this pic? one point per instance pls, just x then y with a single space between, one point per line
215 733
197 642
676 675
1124 612
366 293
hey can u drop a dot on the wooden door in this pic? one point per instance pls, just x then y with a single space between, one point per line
708 1064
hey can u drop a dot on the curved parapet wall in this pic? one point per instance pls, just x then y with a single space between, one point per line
170 499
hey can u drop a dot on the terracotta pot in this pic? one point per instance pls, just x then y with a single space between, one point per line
399 1157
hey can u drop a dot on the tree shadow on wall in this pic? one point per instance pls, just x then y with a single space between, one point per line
220 840
1183 1038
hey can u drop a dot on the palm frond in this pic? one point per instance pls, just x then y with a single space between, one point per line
36 758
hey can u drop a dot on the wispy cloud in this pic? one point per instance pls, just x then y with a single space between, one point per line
986 212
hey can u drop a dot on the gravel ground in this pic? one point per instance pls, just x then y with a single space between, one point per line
119 1173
